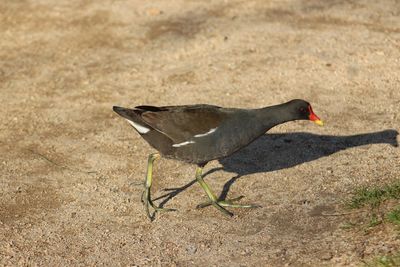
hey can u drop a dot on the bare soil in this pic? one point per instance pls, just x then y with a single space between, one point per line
71 169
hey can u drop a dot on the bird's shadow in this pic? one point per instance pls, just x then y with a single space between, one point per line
273 152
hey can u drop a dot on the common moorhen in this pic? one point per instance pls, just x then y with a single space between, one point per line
200 133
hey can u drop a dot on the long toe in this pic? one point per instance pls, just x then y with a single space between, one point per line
149 203
222 209
228 203
147 207
216 205
158 209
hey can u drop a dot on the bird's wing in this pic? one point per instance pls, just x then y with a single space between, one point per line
182 123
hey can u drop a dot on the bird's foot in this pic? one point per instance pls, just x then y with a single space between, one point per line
220 204
147 202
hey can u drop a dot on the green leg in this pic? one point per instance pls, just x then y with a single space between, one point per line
219 204
146 195
213 198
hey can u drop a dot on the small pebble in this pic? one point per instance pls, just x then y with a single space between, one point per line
191 249
153 11
326 255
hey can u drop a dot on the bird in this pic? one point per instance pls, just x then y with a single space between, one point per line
200 133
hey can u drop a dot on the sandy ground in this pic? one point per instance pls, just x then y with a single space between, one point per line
71 168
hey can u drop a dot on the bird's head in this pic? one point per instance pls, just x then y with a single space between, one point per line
303 111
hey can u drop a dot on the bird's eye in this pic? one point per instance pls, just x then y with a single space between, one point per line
302 110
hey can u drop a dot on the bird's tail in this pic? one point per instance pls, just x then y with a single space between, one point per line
134 118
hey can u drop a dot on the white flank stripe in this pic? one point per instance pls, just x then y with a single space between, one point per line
183 144
141 129
207 133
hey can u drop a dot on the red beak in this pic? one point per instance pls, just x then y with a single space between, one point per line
313 117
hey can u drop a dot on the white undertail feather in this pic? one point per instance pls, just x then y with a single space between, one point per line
140 128
207 133
183 144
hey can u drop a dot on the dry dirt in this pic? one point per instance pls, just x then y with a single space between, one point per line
71 168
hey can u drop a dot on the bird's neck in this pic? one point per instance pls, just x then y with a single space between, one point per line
275 115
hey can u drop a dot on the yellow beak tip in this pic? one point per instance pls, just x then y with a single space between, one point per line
319 122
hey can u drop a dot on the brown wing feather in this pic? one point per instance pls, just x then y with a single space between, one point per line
181 123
